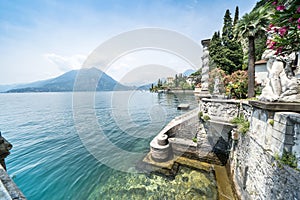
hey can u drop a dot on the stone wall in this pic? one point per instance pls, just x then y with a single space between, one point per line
219 109
255 171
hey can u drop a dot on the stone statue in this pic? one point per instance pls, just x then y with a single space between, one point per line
281 85
217 86
5 146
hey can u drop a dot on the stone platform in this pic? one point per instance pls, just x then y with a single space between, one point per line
276 106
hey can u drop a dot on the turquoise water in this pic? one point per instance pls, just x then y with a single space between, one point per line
48 159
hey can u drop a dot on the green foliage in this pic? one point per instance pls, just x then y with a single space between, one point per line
260 46
200 114
285 26
249 28
287 159
195 140
236 16
197 73
227 33
252 24
225 52
206 118
237 84
243 125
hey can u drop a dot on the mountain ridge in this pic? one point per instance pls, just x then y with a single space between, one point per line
82 80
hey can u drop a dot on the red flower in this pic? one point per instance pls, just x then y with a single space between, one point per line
283 31
298 9
279 50
281 7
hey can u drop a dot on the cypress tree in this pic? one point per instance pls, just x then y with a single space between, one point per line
236 16
226 53
227 31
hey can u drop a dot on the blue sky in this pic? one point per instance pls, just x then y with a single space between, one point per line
45 38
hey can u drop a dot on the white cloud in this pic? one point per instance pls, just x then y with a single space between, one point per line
146 66
66 63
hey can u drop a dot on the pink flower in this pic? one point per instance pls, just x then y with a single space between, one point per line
271 45
291 19
298 9
283 31
281 7
298 21
279 50
274 3
298 26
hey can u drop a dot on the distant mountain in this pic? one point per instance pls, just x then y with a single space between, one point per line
188 72
86 81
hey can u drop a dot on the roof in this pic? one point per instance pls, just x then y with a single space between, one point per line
260 62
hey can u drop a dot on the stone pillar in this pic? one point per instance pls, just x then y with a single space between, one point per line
160 148
204 93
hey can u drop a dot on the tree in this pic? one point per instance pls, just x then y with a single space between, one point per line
227 33
236 16
249 27
159 83
226 53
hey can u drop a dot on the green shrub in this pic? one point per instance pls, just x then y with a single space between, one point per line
271 122
195 140
200 114
287 159
206 118
242 124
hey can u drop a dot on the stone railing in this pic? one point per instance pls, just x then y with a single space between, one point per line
159 146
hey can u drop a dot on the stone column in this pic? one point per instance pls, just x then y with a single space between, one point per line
204 93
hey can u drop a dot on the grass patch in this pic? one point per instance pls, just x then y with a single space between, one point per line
287 159
242 124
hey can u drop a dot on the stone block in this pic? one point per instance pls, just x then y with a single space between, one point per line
289 140
289 130
279 127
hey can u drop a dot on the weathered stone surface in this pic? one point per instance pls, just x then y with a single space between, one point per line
256 173
276 106
220 110
9 186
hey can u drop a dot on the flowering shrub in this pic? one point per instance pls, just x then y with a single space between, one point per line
236 84
284 30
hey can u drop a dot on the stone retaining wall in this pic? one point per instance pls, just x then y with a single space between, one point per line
255 171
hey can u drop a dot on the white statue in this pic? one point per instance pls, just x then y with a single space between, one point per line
281 85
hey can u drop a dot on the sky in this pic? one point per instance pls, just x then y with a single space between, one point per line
41 39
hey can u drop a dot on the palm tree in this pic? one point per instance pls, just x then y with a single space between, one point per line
249 27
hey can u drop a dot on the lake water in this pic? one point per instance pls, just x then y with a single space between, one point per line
52 158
